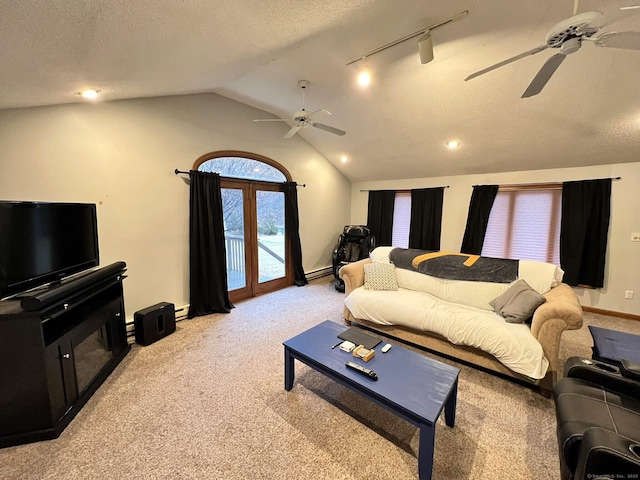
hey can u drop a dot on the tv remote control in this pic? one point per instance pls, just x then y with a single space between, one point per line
364 371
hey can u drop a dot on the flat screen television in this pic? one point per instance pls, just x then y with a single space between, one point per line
42 243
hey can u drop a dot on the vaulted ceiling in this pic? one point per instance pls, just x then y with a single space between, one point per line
256 51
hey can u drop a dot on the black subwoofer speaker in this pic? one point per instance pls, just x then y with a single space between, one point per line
154 322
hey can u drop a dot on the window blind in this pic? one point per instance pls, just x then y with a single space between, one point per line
401 219
525 224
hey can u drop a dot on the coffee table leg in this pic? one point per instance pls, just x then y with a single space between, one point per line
450 406
288 370
425 451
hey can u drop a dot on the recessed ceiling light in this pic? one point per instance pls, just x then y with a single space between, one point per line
89 94
344 159
453 144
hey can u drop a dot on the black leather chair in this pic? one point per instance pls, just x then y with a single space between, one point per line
598 420
355 243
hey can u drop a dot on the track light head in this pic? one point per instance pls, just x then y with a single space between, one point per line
425 47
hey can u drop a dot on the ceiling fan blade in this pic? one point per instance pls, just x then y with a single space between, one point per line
625 40
543 76
292 132
533 51
327 128
272 120
318 112
614 16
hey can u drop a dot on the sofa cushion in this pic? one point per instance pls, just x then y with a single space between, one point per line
518 303
380 276
511 344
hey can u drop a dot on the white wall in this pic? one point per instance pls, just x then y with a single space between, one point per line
622 271
121 156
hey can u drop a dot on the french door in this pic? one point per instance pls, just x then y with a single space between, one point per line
255 240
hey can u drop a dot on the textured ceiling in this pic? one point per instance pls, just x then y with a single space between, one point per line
255 52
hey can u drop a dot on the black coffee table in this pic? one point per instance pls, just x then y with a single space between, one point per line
611 346
412 386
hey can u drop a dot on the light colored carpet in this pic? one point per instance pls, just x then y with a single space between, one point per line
208 402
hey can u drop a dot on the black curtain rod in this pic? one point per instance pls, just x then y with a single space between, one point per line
177 172
551 183
401 189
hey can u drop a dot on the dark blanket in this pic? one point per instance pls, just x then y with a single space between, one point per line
455 266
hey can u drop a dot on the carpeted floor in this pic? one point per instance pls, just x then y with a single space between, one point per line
208 402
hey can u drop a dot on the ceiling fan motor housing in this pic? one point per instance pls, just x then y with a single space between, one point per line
577 26
300 116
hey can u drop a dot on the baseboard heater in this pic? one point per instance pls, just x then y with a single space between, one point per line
319 273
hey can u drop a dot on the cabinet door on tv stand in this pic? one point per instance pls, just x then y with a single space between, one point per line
60 378
118 328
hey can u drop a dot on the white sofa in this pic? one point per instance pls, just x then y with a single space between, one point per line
456 317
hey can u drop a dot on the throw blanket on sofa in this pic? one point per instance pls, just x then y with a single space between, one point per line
455 266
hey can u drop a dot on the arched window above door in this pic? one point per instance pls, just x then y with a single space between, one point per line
245 165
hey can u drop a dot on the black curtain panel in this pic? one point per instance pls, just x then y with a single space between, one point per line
292 227
584 227
380 215
480 206
208 290
426 218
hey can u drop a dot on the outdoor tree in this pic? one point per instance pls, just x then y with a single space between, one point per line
271 207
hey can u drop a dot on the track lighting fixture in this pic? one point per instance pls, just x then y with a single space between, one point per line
425 42
425 47
364 78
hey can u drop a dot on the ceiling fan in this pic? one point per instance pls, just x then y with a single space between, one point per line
568 35
304 119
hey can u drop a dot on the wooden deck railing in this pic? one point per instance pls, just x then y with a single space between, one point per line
235 252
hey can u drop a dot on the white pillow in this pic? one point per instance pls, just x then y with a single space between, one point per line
381 254
540 276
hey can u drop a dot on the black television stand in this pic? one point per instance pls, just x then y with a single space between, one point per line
57 346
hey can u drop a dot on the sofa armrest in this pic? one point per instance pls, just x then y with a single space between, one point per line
605 454
353 276
630 369
562 303
562 311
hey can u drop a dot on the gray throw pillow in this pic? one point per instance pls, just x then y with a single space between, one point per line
518 303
